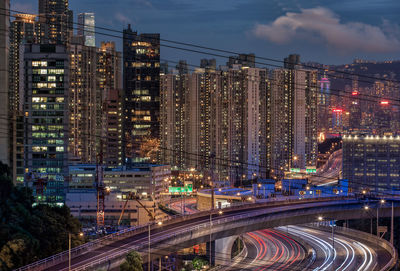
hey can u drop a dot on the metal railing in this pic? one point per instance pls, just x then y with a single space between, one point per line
241 219
63 256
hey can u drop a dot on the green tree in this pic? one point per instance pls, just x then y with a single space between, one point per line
133 262
199 263
29 233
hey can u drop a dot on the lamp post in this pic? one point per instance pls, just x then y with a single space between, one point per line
320 218
211 213
69 248
382 201
159 223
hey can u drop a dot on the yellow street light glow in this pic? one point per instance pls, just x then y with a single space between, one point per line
220 212
320 218
159 223
81 234
366 207
382 201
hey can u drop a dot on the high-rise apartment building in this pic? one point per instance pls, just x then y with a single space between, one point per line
86 28
372 162
324 105
4 66
46 127
247 60
141 84
82 102
109 99
174 118
112 128
248 126
294 121
23 30
56 22
217 112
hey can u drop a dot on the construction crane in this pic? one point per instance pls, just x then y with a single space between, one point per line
132 196
101 190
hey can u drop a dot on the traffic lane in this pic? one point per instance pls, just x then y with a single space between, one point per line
275 251
169 228
323 252
351 254
380 255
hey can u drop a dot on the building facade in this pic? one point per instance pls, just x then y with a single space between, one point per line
112 128
222 113
56 22
86 28
109 103
147 181
141 84
294 119
4 73
82 102
371 162
46 125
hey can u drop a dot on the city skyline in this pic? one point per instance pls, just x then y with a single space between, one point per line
282 27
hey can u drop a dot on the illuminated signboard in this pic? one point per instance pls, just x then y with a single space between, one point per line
294 170
178 190
311 170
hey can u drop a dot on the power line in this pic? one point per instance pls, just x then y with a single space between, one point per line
212 49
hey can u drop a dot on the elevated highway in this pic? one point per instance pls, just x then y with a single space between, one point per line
185 231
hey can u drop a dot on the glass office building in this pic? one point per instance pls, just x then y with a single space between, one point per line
372 163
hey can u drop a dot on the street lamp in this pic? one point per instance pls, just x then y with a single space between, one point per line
382 201
69 248
211 213
159 223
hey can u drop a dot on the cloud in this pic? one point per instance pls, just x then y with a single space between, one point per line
325 25
122 18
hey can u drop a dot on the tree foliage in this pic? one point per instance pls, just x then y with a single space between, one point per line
133 262
29 233
199 263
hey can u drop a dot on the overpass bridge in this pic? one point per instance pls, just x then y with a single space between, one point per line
185 231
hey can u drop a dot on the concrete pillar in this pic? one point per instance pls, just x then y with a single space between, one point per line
223 250
212 245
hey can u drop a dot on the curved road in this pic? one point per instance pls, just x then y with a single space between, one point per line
276 250
348 254
270 250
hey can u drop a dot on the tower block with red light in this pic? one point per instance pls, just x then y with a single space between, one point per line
102 191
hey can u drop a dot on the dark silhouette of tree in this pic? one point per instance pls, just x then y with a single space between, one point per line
27 232
133 262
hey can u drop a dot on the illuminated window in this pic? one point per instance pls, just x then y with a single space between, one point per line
59 149
145 98
39 148
51 78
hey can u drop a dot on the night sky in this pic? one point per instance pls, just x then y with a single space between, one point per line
325 31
